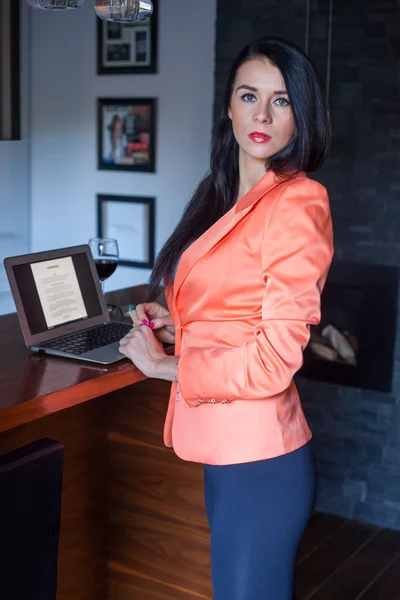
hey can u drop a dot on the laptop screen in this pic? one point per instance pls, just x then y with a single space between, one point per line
56 292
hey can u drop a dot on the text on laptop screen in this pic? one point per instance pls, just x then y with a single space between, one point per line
57 291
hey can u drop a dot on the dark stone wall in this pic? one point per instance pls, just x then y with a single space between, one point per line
356 432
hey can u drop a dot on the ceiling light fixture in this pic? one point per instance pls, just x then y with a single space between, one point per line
119 11
123 11
55 4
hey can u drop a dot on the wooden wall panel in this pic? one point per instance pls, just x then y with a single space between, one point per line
158 537
83 538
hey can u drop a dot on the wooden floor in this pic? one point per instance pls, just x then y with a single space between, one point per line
346 560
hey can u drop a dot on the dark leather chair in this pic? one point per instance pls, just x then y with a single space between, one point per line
30 512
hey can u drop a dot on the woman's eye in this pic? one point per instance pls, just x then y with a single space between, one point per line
282 102
248 97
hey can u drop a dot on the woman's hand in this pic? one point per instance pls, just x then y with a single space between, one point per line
163 326
141 346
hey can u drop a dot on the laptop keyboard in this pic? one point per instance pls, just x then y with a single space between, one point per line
90 339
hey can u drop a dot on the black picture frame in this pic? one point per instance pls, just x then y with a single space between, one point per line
132 144
127 229
128 48
10 74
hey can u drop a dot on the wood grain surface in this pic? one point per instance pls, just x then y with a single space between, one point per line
158 536
34 386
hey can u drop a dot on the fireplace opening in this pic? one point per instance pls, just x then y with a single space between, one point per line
354 343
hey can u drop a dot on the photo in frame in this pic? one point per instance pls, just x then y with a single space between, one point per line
125 48
131 221
126 134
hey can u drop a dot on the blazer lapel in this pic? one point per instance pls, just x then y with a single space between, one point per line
222 227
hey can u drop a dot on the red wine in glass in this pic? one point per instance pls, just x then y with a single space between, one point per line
105 255
105 267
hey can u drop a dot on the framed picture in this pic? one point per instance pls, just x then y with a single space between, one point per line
131 221
126 134
124 48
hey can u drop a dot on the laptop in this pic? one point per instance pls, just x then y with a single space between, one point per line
60 305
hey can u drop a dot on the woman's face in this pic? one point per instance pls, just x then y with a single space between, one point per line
262 118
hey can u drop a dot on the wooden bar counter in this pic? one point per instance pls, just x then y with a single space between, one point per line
133 523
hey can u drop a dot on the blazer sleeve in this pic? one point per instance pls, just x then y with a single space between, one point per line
297 250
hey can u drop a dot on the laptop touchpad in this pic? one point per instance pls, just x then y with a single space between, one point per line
105 354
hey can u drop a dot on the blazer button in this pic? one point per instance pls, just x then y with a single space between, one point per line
224 401
201 400
213 401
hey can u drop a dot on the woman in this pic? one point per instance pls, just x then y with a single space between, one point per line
116 130
251 255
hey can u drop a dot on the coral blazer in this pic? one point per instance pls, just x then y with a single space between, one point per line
244 296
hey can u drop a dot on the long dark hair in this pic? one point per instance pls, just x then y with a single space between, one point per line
217 192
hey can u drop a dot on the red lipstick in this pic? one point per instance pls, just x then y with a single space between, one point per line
259 137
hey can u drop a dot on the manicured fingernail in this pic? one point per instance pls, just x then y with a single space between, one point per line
145 322
151 324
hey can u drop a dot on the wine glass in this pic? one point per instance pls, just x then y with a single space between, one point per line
105 254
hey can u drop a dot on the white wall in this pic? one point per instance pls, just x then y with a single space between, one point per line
14 181
65 179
